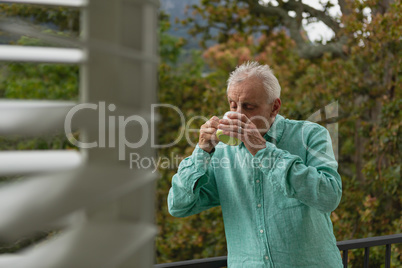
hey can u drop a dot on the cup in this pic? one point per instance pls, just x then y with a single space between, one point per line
232 141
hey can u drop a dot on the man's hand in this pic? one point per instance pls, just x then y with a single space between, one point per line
239 126
208 140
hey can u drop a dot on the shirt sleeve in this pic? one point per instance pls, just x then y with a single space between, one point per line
193 186
315 182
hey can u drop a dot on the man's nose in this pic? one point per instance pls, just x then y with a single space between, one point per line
239 110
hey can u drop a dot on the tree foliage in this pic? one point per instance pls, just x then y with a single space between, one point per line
60 18
182 85
250 16
38 81
359 68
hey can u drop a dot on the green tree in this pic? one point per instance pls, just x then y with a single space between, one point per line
61 18
39 81
182 85
359 67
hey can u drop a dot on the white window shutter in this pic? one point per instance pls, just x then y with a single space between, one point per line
67 3
104 207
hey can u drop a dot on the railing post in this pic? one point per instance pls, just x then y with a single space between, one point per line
345 258
388 256
366 257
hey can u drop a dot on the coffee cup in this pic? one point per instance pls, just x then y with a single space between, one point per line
232 141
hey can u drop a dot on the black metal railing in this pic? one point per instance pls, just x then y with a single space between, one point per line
215 262
344 246
367 243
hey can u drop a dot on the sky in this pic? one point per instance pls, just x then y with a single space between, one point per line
318 30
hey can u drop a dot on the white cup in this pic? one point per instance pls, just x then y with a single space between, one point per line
232 141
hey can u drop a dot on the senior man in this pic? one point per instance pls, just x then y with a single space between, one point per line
277 188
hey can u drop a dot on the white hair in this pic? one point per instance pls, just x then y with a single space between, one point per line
254 69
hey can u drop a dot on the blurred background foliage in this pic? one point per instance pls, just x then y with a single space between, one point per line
38 81
360 68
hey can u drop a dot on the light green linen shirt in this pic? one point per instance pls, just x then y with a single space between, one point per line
276 205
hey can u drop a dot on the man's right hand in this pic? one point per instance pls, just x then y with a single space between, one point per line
208 140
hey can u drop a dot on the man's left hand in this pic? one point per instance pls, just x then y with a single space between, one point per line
239 126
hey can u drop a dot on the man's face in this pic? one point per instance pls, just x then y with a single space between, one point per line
250 98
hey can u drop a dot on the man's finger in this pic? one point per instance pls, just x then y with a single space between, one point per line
214 118
209 136
232 128
241 117
209 130
213 122
232 122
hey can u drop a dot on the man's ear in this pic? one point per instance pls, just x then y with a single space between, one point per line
276 107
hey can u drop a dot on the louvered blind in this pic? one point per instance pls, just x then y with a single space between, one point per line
103 206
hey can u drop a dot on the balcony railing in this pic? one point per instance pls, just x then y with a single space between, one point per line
344 246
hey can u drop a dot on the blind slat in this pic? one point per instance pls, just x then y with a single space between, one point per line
34 203
41 54
28 162
67 3
32 117
91 245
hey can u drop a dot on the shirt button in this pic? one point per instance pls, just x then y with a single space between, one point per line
259 205
257 181
261 231
266 257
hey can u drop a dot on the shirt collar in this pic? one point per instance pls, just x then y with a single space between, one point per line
275 132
